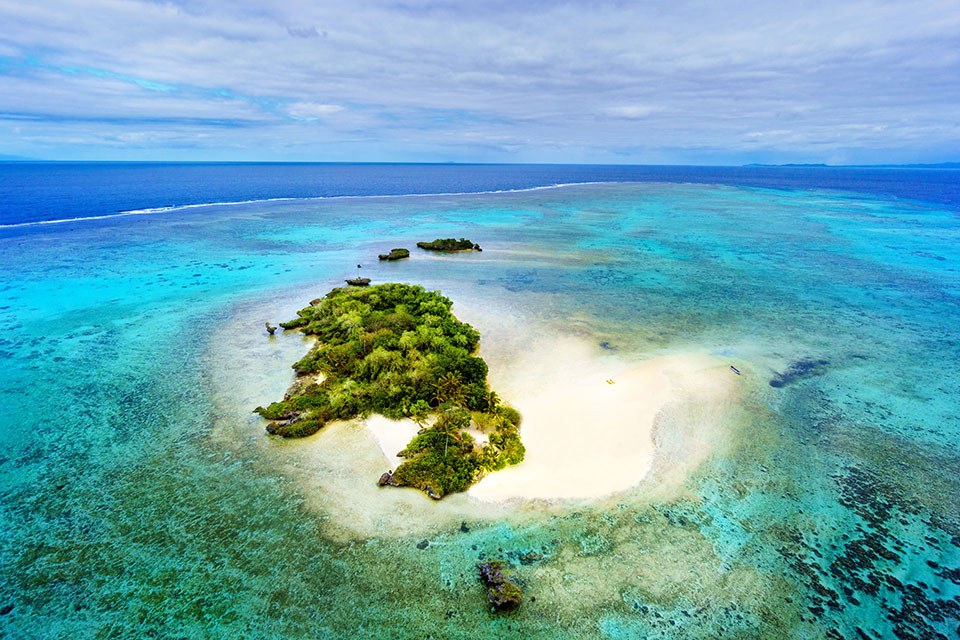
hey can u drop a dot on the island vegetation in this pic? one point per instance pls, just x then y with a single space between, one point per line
450 244
395 254
397 350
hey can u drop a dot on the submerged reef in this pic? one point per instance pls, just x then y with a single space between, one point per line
397 350
395 254
504 594
450 244
799 370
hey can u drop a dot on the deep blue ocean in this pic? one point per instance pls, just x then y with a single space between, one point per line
815 496
44 191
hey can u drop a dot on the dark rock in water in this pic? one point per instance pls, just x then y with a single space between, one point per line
423 544
388 480
799 370
270 328
606 345
296 427
504 594
277 427
395 254
7 608
464 528
530 558
294 419
358 282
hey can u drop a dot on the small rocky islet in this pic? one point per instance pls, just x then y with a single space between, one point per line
443 245
450 245
395 254
397 350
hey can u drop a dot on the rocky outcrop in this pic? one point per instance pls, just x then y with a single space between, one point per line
395 254
277 427
502 592
388 480
450 244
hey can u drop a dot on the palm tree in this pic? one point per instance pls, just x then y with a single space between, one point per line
419 412
447 387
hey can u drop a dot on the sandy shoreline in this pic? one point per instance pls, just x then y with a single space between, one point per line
588 419
392 436
585 437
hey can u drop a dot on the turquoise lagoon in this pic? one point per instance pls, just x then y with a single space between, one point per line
141 498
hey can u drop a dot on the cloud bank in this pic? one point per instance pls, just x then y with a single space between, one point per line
687 82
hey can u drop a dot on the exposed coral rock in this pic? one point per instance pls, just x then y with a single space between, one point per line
504 594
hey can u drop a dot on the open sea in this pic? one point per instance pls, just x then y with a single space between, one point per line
140 498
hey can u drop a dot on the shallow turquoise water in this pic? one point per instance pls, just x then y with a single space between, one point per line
834 508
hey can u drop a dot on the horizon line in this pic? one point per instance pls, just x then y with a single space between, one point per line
794 165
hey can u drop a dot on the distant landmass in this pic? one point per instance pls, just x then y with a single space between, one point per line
937 165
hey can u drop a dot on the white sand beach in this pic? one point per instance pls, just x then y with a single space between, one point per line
588 419
392 436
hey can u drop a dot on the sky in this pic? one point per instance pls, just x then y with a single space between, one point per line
679 82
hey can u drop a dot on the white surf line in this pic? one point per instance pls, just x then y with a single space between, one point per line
180 207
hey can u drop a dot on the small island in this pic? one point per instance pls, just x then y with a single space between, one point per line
397 350
395 254
449 245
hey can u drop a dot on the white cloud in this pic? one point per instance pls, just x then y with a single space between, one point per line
571 75
312 110
632 111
